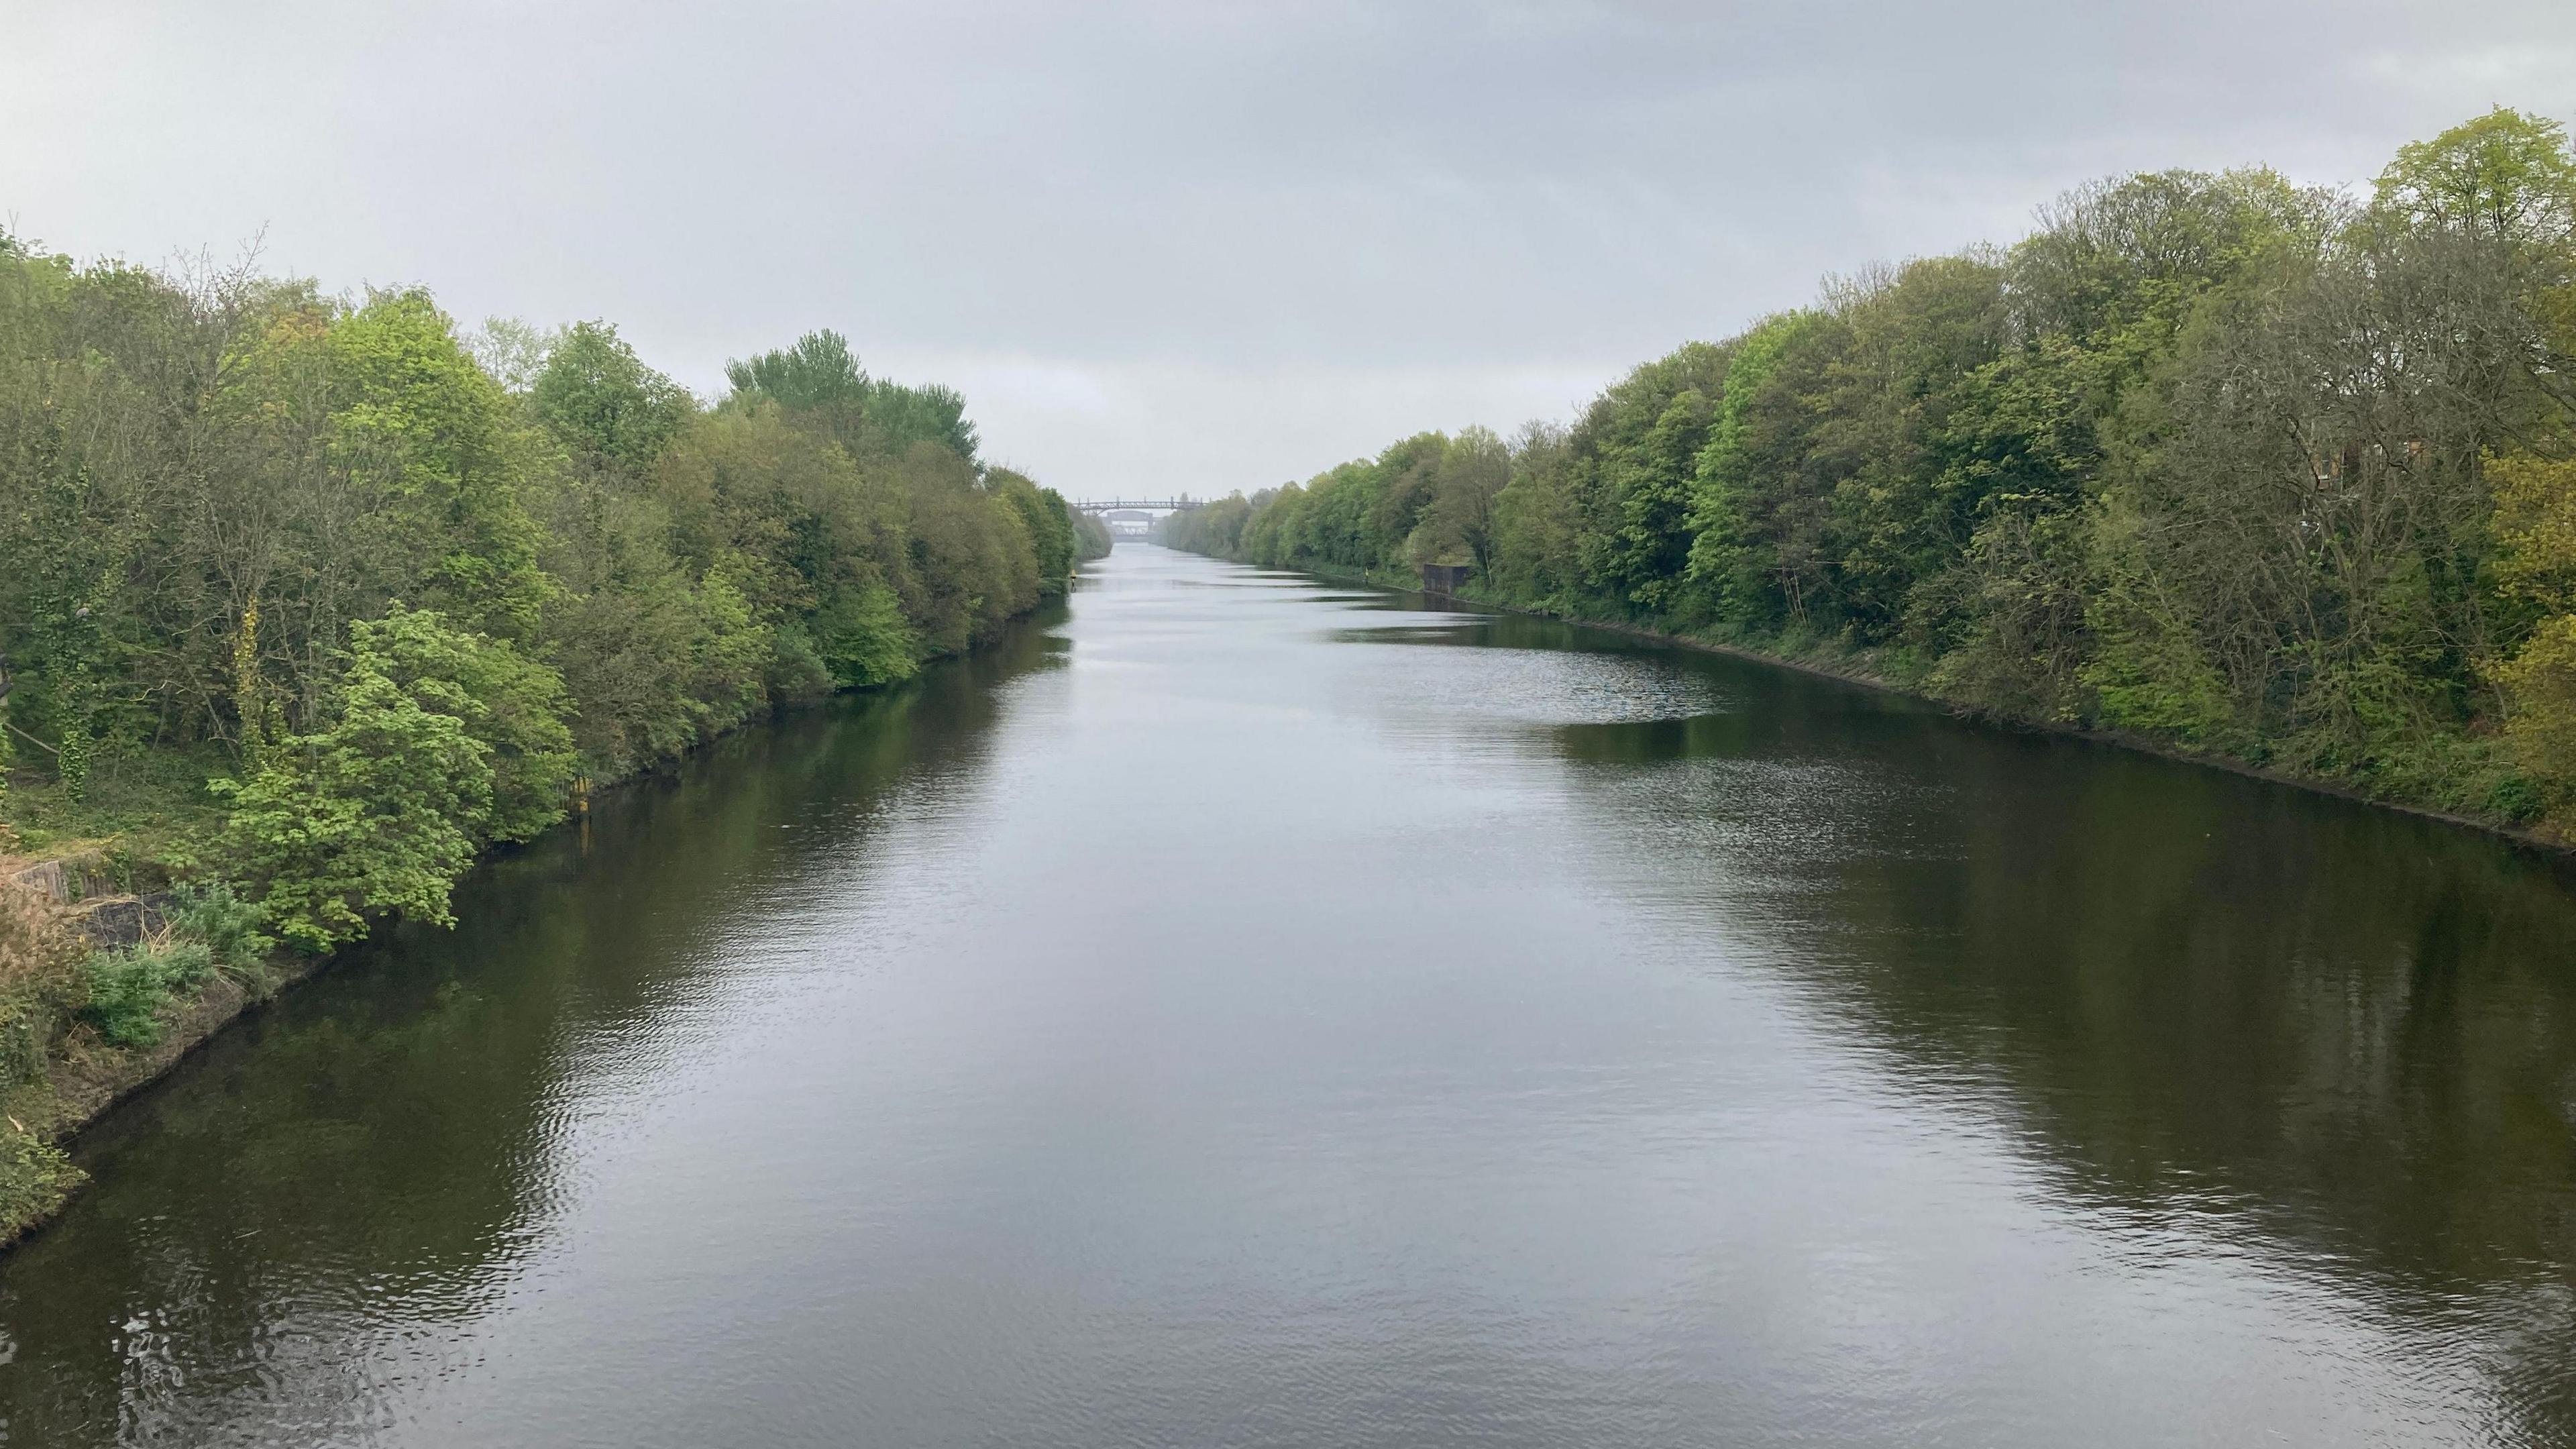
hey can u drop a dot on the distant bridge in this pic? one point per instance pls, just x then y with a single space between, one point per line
1138 505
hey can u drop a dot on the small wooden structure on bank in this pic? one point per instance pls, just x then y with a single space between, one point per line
1445 578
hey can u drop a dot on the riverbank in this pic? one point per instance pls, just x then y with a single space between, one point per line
56 913
1851 672
311 602
2155 494
86 1076
1854 668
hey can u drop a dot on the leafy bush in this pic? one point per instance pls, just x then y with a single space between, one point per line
378 813
226 923
35 1176
129 986
2536 523
864 641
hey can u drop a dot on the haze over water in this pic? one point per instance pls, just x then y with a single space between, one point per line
1247 1011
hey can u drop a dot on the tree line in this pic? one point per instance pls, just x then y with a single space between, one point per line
318 597
2277 472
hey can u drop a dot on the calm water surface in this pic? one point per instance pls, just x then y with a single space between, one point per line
1249 1012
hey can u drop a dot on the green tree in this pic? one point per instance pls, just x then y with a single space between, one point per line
2505 175
512 351
1887 399
819 377
1408 480
427 445
899 416
513 706
1049 521
1730 520
818 373
599 398
1629 466
2536 521
376 814
1458 525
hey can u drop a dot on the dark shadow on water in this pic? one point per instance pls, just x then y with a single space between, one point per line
2343 1033
2347 1030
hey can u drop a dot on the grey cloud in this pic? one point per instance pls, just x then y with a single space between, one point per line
1239 221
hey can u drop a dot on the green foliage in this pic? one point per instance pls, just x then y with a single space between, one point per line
399 594
971 562
2537 530
1049 521
510 705
41 989
1457 522
1736 504
1422 498
35 1177
1091 538
863 641
902 416
129 987
821 377
1215 528
376 814
2504 175
8 745
226 923
71 761
819 372
2147 672
240 518
427 437
512 351
1630 472
2205 457
40 984
596 396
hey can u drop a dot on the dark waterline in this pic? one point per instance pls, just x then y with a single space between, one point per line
1252 1012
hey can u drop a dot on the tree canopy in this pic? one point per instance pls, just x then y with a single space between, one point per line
2207 457
319 594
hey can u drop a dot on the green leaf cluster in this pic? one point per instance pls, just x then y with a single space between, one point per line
128 988
377 813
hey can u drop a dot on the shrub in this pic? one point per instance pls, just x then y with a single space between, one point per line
225 922
864 640
35 1177
129 986
39 982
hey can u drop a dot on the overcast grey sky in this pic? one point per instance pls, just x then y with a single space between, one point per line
1184 246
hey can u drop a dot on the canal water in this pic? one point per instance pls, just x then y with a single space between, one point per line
1247 1011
